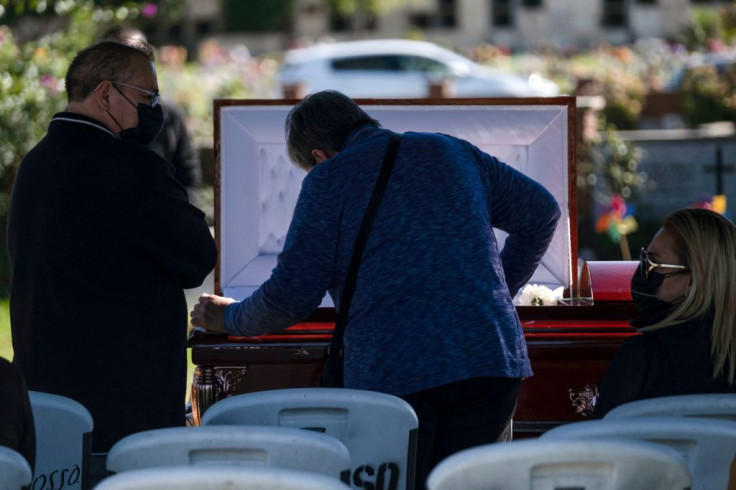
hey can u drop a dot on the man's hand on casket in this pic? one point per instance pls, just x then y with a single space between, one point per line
209 312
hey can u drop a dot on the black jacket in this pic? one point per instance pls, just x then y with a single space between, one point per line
17 430
174 145
670 361
102 241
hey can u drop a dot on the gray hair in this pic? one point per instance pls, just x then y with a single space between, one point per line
124 33
105 60
322 121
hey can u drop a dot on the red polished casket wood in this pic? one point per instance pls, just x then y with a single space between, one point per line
570 344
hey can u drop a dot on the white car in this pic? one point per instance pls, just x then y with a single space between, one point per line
394 68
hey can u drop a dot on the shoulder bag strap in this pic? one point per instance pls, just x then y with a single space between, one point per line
341 322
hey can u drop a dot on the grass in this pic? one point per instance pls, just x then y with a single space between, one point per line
6 346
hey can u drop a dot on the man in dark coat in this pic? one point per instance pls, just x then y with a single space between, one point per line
17 430
174 142
102 241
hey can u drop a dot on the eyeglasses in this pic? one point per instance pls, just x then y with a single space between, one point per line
647 266
155 96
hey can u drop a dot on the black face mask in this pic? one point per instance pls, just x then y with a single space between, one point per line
644 293
150 122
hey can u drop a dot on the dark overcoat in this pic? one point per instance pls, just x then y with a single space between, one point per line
17 430
670 361
102 241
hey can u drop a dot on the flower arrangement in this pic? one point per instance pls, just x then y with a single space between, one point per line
538 295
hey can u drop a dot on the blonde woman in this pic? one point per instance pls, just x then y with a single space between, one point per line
685 293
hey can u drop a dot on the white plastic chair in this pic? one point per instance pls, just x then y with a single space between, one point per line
219 478
708 405
63 441
562 464
15 471
379 430
707 446
280 447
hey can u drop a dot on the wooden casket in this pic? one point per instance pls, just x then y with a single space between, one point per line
256 186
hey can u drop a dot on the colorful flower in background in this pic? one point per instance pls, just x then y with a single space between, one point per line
715 203
617 220
149 10
51 83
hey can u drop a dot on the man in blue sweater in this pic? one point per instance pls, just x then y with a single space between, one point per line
432 319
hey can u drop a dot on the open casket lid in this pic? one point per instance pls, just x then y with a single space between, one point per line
256 185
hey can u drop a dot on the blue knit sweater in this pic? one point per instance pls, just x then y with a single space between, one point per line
433 301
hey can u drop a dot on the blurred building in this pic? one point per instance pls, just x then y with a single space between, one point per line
513 23
517 23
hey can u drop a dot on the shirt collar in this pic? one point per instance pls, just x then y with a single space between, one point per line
74 118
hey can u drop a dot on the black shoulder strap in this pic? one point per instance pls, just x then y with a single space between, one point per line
360 242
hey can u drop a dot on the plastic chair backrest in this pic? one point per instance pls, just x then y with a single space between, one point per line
219 478
63 441
710 405
379 430
707 446
562 464
279 447
15 472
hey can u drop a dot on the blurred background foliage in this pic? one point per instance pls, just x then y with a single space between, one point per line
709 96
34 56
709 26
257 16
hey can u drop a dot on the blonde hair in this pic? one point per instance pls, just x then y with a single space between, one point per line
707 246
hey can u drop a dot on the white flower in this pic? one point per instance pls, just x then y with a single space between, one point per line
536 295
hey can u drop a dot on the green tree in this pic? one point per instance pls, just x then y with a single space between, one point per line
728 19
611 183
705 96
253 16
358 15
707 25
